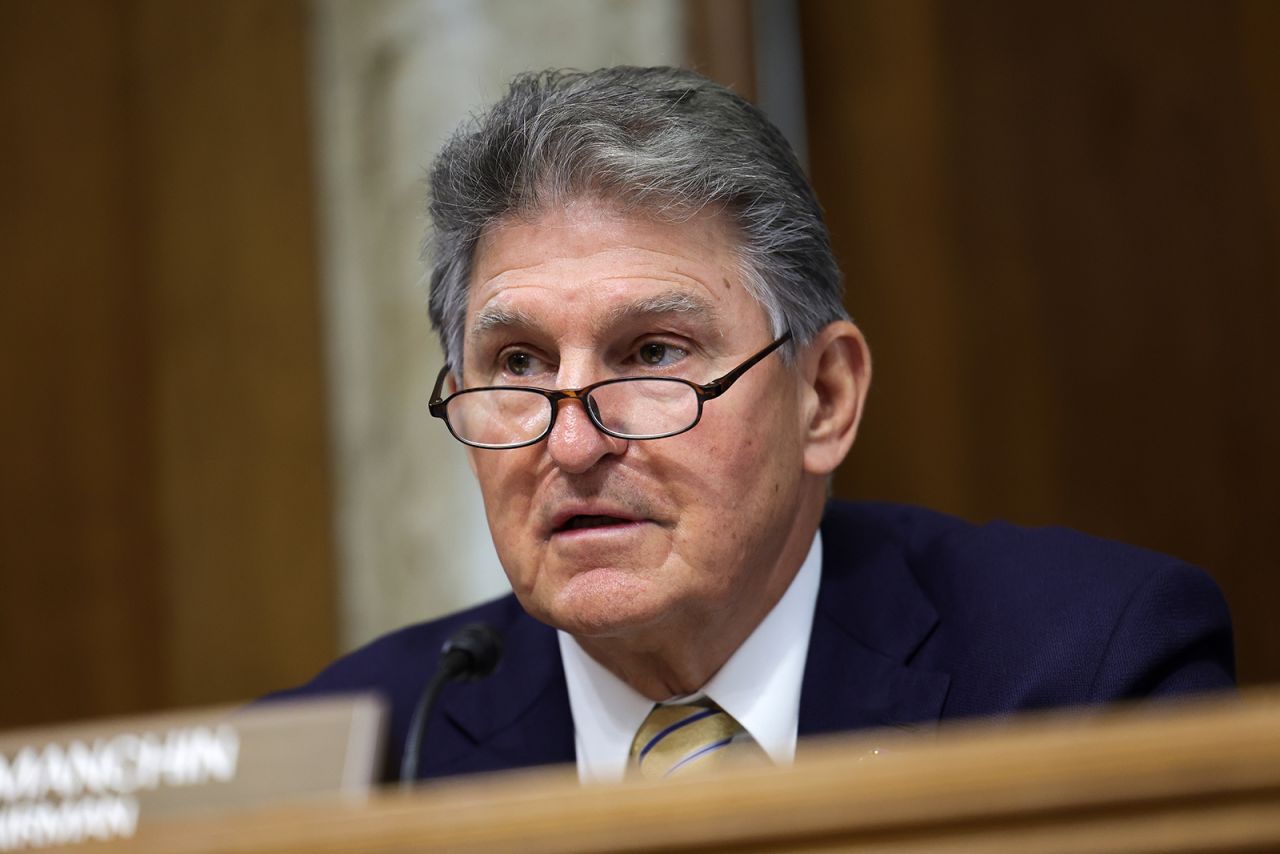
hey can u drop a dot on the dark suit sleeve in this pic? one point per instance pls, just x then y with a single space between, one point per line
1173 637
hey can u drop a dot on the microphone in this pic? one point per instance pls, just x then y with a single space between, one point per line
470 653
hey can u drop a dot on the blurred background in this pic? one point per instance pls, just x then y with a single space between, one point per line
1060 227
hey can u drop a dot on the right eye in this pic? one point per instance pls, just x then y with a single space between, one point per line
521 364
518 363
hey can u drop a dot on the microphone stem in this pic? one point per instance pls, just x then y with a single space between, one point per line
418 725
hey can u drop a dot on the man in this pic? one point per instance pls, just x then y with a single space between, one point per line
650 363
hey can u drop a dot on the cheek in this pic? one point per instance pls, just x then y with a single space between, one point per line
507 489
738 484
744 453
505 485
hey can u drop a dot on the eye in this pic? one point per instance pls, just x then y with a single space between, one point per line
656 354
519 364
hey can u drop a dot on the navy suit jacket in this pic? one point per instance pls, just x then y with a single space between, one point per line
920 617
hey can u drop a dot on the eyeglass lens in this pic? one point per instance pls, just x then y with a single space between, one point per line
633 408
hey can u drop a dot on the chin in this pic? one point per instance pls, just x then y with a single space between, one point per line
605 603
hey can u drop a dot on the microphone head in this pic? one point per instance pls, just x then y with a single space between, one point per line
472 652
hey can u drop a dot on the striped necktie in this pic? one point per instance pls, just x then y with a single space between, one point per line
677 740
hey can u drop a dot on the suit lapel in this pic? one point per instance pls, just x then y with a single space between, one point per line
871 618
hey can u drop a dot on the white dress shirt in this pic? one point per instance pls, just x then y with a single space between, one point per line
759 685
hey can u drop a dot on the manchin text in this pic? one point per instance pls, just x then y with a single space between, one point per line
62 794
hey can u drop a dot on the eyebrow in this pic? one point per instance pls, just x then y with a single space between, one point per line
500 317
665 303
673 302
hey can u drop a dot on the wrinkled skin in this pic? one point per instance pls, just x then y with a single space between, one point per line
705 529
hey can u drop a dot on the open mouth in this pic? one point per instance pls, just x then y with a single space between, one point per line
577 523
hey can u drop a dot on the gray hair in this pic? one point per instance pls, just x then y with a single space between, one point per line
665 141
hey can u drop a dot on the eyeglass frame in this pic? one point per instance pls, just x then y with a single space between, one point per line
438 407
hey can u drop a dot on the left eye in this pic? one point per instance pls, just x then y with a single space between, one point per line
656 354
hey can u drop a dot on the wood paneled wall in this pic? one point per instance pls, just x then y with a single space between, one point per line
1060 225
719 43
164 505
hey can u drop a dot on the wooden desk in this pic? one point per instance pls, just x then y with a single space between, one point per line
1192 777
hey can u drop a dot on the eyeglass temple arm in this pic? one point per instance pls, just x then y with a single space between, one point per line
434 403
720 385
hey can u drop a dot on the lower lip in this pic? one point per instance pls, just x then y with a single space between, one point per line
599 531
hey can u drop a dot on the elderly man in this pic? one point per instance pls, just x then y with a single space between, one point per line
651 366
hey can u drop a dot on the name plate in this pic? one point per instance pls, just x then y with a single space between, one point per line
97 781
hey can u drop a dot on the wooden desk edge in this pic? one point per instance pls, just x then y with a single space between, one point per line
1157 771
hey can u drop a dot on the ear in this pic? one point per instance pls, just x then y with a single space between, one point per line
836 367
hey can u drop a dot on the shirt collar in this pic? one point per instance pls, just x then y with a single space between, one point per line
759 685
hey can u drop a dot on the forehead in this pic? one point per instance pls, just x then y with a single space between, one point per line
593 264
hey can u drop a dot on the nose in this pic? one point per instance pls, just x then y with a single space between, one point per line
575 443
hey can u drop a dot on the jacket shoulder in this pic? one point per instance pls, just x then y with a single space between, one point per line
1038 617
397 664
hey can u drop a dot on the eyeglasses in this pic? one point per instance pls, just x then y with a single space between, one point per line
626 407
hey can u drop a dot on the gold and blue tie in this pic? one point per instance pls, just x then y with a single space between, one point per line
687 739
